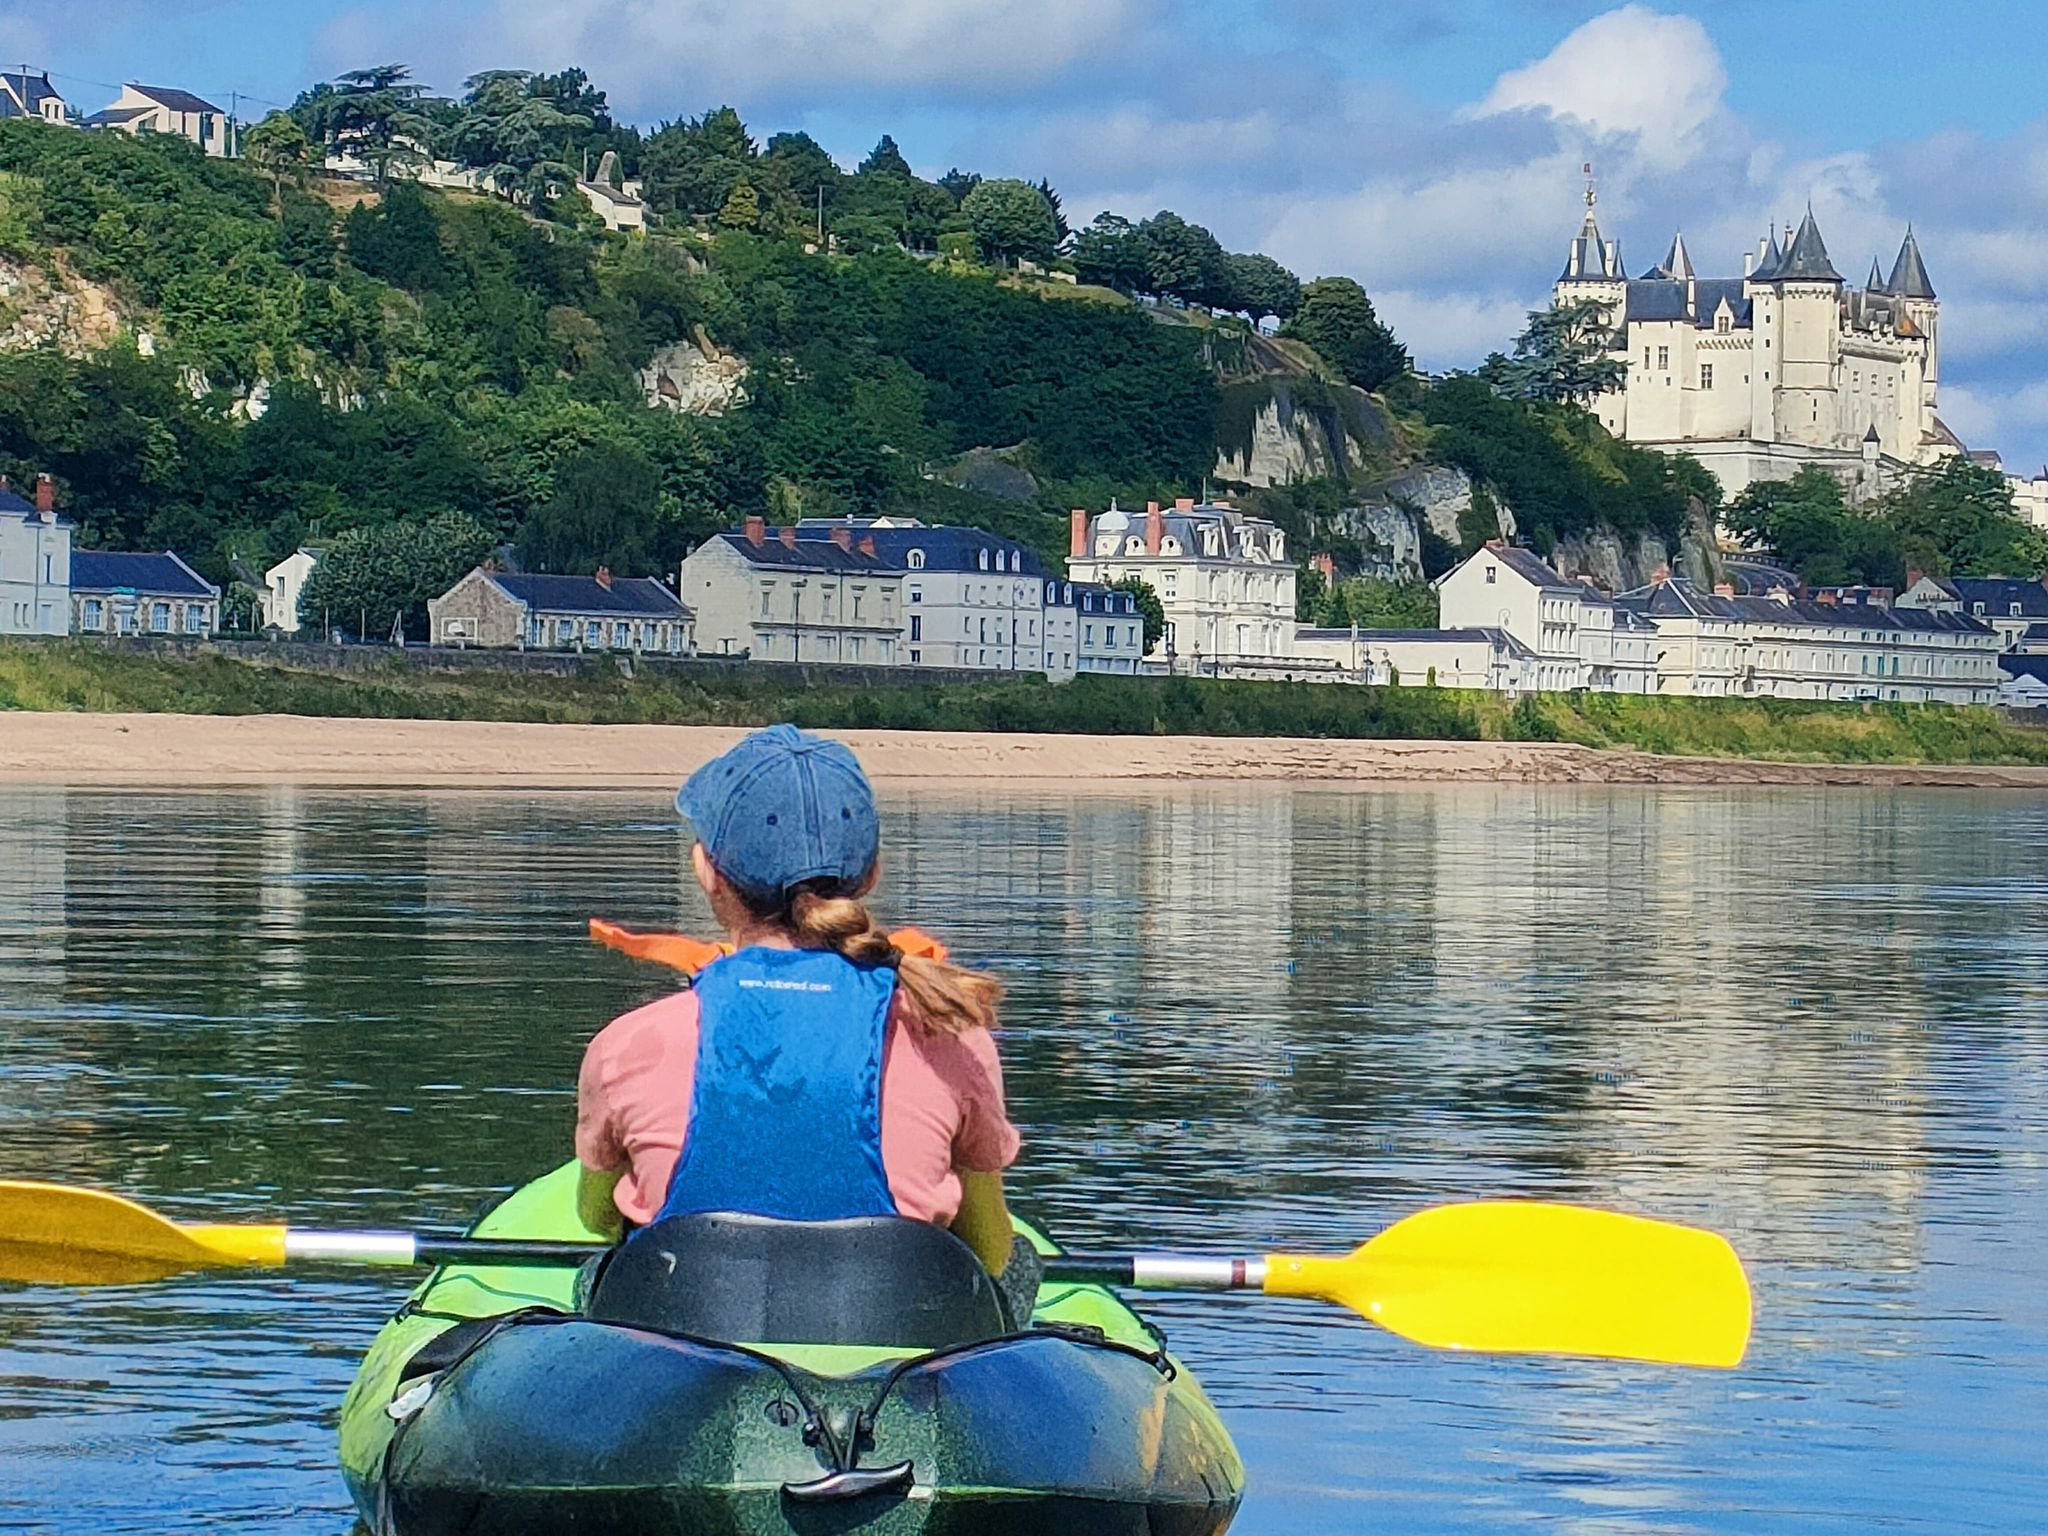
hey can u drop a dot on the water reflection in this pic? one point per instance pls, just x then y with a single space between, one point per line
1237 1017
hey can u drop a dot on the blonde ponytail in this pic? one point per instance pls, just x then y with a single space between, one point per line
945 999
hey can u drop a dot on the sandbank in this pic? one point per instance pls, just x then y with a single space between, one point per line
196 751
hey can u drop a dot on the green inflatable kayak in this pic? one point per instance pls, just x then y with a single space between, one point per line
674 1402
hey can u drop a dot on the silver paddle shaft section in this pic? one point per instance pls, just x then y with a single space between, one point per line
1164 1272
399 1248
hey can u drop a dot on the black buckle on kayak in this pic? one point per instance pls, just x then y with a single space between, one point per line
856 1483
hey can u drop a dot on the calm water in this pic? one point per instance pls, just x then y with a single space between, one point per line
1237 1019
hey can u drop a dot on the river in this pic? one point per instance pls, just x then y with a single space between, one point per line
1237 1019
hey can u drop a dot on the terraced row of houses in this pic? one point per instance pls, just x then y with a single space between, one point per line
49 588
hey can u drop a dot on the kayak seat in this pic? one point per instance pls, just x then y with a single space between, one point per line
879 1281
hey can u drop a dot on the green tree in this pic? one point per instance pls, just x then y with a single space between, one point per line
1562 356
742 209
604 510
519 139
1260 286
1372 602
371 578
1311 591
1110 252
1011 221
691 167
381 115
1150 609
797 163
885 159
399 240
1182 260
959 183
1957 519
1337 319
277 147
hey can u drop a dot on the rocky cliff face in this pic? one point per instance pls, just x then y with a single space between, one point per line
1278 429
1621 564
695 378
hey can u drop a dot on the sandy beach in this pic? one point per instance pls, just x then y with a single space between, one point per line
208 750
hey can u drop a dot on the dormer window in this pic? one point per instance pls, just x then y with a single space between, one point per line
915 560
1169 546
1134 545
982 559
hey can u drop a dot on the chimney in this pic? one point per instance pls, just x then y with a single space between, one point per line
787 533
842 535
1724 589
604 577
1155 527
867 545
1184 504
46 498
1327 564
1660 575
1077 536
757 531
1496 543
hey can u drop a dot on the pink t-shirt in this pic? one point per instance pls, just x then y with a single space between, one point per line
942 1108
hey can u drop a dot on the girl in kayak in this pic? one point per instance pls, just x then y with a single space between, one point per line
817 1072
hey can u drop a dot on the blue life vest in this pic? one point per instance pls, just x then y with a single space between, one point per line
786 1108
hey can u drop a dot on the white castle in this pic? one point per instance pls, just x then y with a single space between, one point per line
1784 366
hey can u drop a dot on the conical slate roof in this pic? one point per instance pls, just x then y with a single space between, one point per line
1909 272
1678 263
1587 259
1771 257
1806 258
1875 282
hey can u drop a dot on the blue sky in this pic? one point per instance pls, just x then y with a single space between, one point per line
1429 148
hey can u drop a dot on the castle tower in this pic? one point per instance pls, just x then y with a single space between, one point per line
1592 265
1910 284
1806 321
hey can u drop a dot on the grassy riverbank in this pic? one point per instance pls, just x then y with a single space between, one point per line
87 678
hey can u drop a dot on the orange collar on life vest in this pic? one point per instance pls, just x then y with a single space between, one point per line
680 952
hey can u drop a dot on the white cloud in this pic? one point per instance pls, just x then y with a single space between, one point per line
1633 71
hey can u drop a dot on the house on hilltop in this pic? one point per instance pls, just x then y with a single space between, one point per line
164 109
25 95
507 610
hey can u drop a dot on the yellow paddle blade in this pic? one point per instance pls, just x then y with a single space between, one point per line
1527 1277
53 1235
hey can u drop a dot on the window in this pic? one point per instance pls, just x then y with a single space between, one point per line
195 619
593 632
982 559
1088 638
767 591
853 648
89 613
565 631
916 627
916 593
825 602
1706 375
914 561
1664 358
858 594
1489 575
1169 584
916 658
1646 357
159 618
1723 324
2014 609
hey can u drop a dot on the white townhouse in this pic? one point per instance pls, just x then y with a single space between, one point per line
1222 576
25 95
2017 609
1511 589
1717 645
1091 628
971 599
35 562
775 596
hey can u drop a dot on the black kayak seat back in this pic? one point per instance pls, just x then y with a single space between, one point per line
879 1281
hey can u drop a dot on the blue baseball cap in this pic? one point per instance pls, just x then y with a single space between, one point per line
781 808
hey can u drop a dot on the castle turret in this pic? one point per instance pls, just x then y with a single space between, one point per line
1808 292
1592 264
1909 281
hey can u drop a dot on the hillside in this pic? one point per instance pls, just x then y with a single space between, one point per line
215 360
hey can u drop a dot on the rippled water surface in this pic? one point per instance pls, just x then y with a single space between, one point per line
1237 1019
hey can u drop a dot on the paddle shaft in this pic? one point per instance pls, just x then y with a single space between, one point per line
1149 1272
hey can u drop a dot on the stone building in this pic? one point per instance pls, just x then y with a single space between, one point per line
506 610
140 594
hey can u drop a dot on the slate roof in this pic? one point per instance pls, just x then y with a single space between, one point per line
1586 258
1806 258
33 90
1485 635
13 501
1680 599
631 595
1677 261
112 118
1909 273
2017 666
1664 298
162 575
1768 263
1999 593
950 549
808 555
1527 564
176 100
